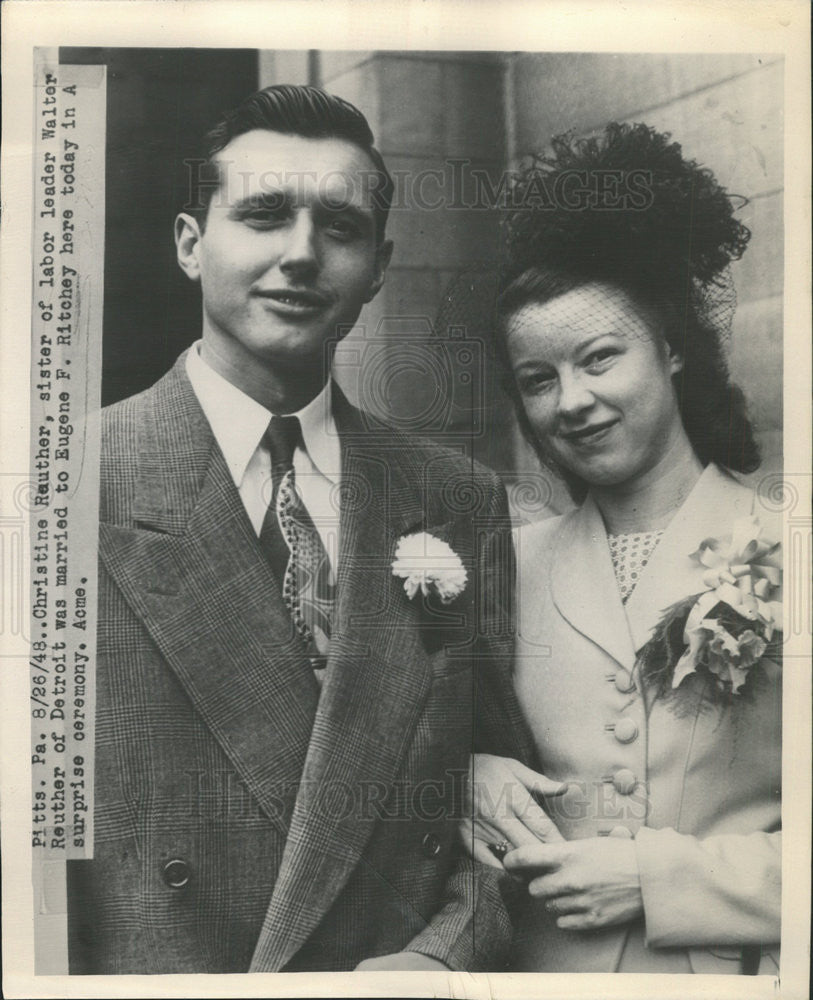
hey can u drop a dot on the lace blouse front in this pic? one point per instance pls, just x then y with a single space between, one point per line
630 552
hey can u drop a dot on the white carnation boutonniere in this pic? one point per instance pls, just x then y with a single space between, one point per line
429 564
724 630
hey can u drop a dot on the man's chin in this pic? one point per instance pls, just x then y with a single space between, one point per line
299 358
293 348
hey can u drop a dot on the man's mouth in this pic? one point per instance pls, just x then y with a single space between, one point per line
295 301
590 433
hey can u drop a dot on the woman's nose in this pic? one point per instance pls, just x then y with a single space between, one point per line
299 252
574 394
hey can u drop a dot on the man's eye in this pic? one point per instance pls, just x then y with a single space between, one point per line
264 216
343 228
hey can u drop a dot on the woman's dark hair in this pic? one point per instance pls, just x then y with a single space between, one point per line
627 209
292 110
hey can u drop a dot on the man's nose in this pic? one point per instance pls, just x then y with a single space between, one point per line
575 394
300 251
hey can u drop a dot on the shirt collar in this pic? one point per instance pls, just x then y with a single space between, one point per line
320 435
238 422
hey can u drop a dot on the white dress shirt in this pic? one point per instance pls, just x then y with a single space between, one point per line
239 422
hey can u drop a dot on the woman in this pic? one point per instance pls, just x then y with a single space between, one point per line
646 663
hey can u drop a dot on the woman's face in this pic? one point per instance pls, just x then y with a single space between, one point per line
595 377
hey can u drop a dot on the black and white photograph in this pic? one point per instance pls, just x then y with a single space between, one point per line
411 432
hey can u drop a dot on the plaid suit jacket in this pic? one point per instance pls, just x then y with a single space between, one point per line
244 822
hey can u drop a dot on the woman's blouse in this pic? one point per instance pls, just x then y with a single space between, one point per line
630 552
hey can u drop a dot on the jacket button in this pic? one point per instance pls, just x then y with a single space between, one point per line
625 731
176 873
430 845
624 682
624 781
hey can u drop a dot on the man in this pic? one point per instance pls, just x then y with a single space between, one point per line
282 731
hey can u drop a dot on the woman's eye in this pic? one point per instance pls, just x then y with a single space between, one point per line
598 359
536 381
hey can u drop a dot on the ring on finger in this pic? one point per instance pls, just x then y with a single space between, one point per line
500 849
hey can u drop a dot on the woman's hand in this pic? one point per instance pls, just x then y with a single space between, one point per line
500 807
586 883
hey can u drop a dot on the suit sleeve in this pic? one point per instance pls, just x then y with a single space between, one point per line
472 930
722 890
499 726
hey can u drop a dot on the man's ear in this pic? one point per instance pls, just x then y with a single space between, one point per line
383 255
187 245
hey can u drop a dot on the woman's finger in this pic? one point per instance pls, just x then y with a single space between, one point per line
483 853
537 782
551 886
534 857
501 803
515 817
540 824
517 832
586 921
490 848
484 832
560 906
503 773
485 827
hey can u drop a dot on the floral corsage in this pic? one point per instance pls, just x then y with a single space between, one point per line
724 631
429 564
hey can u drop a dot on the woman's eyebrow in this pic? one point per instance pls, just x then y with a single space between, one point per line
581 346
587 342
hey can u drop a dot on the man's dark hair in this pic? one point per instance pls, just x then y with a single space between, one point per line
291 110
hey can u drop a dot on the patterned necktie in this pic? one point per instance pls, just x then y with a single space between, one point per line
294 548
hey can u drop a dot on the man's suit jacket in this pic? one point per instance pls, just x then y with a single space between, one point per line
705 803
244 822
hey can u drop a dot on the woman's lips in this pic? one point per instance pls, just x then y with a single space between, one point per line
590 434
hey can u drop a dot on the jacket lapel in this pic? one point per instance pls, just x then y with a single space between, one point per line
583 580
584 586
716 500
377 679
191 570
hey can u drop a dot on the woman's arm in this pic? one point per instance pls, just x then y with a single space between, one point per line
501 806
719 890
585 884
722 890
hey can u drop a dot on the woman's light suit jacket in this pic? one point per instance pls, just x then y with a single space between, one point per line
696 785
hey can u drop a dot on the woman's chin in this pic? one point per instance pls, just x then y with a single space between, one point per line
598 474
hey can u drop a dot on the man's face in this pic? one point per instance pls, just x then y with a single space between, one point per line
289 254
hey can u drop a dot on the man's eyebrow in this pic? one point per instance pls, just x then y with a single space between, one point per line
356 212
262 199
278 200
